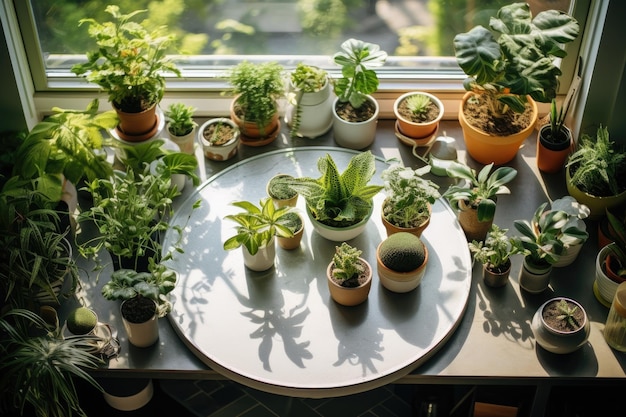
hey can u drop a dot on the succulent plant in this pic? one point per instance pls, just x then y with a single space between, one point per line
402 252
81 320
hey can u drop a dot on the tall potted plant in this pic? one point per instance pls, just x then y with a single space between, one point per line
355 111
310 112
254 108
475 197
339 204
554 141
510 66
129 64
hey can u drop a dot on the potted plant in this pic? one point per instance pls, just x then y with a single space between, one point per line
256 229
561 325
40 371
407 206
576 212
401 260
254 108
355 111
130 212
595 172
279 190
339 204
220 138
494 253
611 261
129 64
310 113
181 126
511 66
144 300
417 117
554 141
81 321
475 198
349 276
541 243
177 166
294 222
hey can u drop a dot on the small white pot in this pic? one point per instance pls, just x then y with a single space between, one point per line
142 334
355 135
534 280
132 400
559 341
186 142
338 234
263 259
220 152
316 113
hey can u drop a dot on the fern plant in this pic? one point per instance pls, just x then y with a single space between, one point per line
339 199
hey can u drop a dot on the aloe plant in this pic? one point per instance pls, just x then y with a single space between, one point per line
339 199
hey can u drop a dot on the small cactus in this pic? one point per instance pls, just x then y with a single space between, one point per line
81 321
402 252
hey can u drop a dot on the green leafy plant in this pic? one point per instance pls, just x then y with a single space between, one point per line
597 165
129 62
155 284
257 225
339 199
479 189
556 133
409 195
495 251
357 60
69 142
418 104
346 264
304 79
180 117
278 187
515 56
567 313
39 371
257 87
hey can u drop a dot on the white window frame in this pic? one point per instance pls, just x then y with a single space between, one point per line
204 89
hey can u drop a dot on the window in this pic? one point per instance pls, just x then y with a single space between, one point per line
215 34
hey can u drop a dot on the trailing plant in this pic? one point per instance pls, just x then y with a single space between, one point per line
479 190
495 251
339 199
598 165
346 264
409 195
257 225
402 252
39 371
357 60
304 79
155 284
129 62
258 86
515 57
180 117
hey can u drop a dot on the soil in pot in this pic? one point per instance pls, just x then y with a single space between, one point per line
138 309
218 133
350 114
511 123
553 316
431 114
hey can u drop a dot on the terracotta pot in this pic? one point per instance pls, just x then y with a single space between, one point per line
137 127
552 156
224 151
349 296
263 259
251 133
468 219
355 135
400 282
290 243
486 148
278 202
392 228
560 341
533 278
597 205
496 279
414 129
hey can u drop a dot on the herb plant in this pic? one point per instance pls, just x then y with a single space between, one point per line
495 251
180 117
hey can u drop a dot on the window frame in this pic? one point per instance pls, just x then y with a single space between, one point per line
204 88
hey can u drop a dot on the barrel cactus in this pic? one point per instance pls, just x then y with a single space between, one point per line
402 252
81 320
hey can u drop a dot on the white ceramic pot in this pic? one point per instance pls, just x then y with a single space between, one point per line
605 287
533 279
354 135
569 256
220 152
316 116
186 142
142 334
127 398
400 282
263 259
338 234
559 341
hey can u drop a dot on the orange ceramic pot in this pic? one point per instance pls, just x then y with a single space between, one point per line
416 130
251 133
552 156
486 148
137 127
